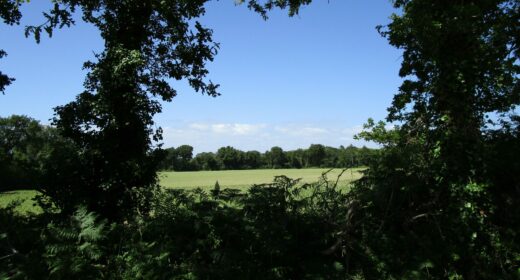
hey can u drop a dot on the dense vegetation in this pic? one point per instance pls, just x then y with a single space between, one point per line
439 203
30 154
192 235
229 158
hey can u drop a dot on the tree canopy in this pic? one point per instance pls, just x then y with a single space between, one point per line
460 64
10 14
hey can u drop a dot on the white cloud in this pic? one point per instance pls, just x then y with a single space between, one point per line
237 128
220 128
199 126
208 136
306 131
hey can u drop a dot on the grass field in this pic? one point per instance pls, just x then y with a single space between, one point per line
245 178
240 179
23 197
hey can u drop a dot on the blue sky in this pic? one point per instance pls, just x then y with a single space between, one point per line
289 82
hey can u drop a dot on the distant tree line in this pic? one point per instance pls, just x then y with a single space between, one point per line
31 154
230 158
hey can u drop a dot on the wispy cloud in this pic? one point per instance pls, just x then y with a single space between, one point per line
305 131
228 128
210 136
199 126
237 128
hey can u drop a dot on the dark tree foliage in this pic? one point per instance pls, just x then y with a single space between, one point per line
230 157
146 43
263 6
9 11
296 158
206 161
460 61
434 199
4 79
28 152
178 159
252 160
316 154
21 142
10 15
275 158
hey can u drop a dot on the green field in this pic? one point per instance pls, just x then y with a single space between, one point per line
23 199
240 179
246 178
